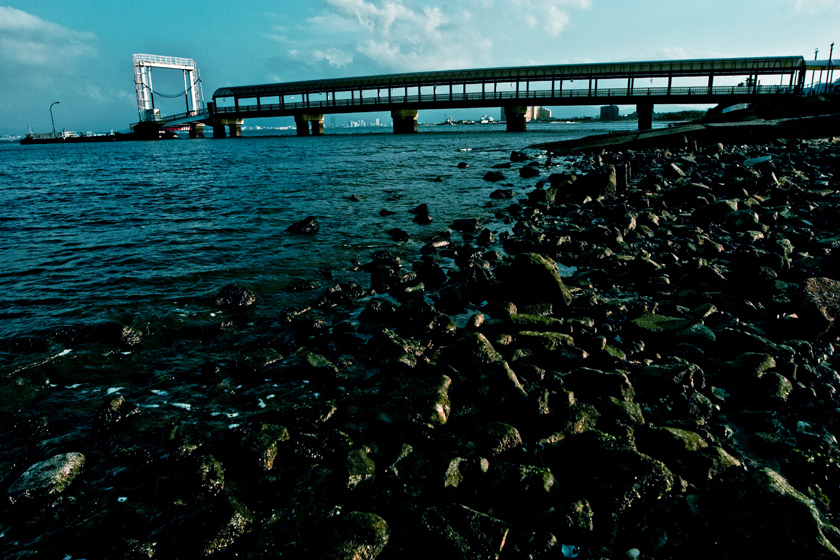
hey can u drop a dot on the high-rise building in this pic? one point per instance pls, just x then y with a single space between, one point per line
609 113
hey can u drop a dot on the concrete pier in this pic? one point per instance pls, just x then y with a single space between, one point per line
644 111
197 130
302 124
405 121
515 118
221 128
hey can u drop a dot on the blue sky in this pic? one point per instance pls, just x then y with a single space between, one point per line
79 52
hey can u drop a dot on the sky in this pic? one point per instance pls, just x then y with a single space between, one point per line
79 52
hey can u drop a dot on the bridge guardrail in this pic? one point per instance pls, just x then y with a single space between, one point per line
523 97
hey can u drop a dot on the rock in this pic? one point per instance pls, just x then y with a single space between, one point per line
501 194
463 165
357 536
499 438
529 171
47 478
233 296
306 226
534 278
360 469
820 302
494 176
398 234
519 156
429 404
464 532
212 529
116 410
469 225
112 332
422 219
263 445
762 515
477 360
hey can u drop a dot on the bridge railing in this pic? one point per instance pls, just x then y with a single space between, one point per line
194 115
508 96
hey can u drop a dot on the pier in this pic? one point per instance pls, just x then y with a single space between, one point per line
643 84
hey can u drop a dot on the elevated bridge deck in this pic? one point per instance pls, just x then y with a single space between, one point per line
640 83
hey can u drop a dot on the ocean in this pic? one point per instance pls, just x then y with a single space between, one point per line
139 232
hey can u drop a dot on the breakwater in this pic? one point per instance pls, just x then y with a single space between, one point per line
671 393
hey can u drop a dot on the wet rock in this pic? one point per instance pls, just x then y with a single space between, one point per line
429 404
464 532
528 172
762 515
477 360
115 411
820 299
46 479
306 226
398 234
360 469
117 334
463 165
210 530
262 447
468 225
501 194
233 296
534 278
519 156
499 438
357 536
494 176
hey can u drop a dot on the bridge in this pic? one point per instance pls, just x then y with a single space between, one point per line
643 84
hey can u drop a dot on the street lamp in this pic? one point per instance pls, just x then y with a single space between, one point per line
51 117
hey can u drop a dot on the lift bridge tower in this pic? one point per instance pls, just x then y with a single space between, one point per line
193 92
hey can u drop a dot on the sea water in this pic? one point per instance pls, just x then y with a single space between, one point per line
134 231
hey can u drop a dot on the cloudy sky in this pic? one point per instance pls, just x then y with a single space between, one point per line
79 52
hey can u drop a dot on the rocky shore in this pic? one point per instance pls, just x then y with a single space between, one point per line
668 391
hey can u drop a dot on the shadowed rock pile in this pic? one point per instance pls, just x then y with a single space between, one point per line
673 396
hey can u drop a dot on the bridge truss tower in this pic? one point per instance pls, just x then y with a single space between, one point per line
143 64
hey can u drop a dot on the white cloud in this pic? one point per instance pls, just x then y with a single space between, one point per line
334 57
29 42
556 20
817 6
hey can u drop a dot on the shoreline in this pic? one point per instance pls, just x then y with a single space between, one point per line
676 394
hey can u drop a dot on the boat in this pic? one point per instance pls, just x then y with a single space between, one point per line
67 137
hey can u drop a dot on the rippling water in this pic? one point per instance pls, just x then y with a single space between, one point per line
127 230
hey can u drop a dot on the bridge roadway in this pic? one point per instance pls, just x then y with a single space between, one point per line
513 89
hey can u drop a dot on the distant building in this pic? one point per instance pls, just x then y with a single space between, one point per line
609 113
532 114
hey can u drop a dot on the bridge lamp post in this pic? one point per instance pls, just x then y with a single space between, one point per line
51 117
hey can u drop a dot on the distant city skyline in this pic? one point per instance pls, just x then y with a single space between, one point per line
79 53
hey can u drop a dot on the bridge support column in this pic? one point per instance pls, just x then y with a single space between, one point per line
405 121
515 118
197 130
235 130
219 131
302 124
644 111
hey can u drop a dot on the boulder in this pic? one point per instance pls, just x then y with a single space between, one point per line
233 296
306 226
357 536
465 533
46 479
760 515
534 278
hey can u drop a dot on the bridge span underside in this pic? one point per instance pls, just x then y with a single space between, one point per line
643 84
